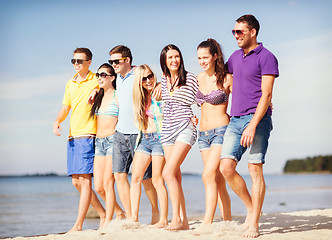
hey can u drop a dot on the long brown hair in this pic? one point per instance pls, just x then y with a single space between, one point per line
182 71
99 96
215 49
141 97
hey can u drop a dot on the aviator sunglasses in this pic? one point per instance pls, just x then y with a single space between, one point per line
79 61
102 75
150 76
240 33
116 61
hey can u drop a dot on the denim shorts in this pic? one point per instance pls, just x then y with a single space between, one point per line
150 145
104 146
123 154
211 137
188 136
257 151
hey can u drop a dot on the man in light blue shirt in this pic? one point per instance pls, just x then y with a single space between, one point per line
126 131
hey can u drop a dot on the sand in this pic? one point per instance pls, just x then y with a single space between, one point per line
313 225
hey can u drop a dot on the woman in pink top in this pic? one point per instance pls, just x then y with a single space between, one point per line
215 86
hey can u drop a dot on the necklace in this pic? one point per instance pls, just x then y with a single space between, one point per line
173 85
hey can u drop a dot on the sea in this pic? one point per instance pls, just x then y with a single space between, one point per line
31 206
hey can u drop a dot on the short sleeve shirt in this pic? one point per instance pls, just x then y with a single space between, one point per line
124 86
76 97
247 73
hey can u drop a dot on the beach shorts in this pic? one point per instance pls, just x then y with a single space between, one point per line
80 155
150 145
188 136
211 137
104 146
123 154
257 151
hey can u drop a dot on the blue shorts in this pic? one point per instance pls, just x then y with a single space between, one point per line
187 136
257 151
150 145
123 154
80 155
211 137
104 146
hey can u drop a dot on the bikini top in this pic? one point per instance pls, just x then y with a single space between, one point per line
148 110
216 97
111 110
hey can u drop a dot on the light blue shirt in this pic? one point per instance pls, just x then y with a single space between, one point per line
124 87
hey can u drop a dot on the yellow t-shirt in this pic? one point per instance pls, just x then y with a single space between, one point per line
76 97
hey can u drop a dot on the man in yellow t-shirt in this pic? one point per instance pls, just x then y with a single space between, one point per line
82 131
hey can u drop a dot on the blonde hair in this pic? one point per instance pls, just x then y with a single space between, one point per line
141 96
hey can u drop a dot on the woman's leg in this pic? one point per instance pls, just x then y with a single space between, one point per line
158 163
140 163
175 155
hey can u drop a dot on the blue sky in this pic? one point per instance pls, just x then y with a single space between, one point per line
38 38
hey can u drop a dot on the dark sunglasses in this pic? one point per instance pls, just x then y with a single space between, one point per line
79 61
240 33
102 75
116 61
150 76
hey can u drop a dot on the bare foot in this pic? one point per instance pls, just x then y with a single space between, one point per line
120 215
131 224
160 224
155 218
74 229
203 229
251 233
177 225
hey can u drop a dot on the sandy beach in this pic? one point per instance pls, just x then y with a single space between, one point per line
312 224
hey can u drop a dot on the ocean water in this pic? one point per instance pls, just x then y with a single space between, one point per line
43 205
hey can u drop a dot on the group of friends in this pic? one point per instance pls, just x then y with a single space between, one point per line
121 117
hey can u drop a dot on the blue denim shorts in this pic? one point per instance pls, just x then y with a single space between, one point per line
211 137
257 151
104 146
150 145
188 136
123 154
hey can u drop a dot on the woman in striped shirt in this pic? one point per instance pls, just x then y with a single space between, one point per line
178 133
214 88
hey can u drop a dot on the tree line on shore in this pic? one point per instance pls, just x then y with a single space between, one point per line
309 164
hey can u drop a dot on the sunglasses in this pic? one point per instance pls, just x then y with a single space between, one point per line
79 61
150 76
116 61
240 33
102 75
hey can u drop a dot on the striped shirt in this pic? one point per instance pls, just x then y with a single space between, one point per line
177 107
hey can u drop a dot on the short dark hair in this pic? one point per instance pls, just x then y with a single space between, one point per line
250 20
86 51
182 71
124 50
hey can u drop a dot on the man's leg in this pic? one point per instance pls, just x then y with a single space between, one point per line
83 184
238 185
257 197
123 187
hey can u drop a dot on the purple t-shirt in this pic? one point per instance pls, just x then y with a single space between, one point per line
247 78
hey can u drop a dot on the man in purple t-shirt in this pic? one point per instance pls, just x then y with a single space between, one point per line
254 69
